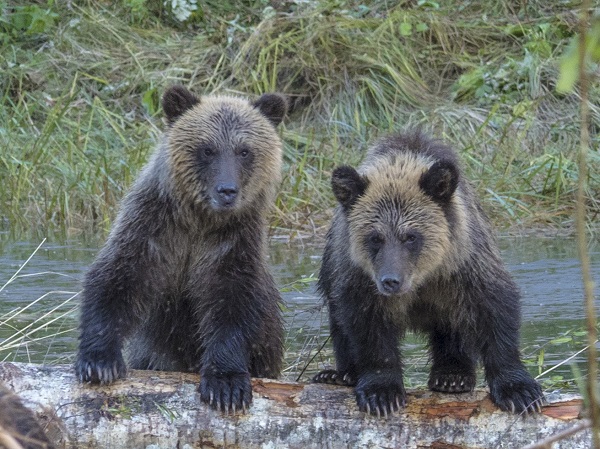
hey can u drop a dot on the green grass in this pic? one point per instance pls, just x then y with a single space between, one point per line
79 110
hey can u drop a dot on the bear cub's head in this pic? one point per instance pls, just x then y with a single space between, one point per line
398 208
224 152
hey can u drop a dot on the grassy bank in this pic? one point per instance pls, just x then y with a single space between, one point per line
79 111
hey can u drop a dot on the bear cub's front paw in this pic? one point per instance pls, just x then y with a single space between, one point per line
100 368
226 393
451 380
380 393
519 394
334 377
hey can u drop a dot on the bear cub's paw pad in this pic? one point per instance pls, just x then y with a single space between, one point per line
333 377
228 393
380 395
451 382
523 396
100 370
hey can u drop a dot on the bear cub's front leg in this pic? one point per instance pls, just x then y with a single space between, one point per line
100 359
453 368
367 359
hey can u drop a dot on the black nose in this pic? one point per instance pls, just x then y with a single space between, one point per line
227 192
390 283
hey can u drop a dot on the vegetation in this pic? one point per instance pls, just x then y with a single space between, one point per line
80 112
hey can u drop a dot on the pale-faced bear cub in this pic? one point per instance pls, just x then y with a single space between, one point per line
183 279
410 248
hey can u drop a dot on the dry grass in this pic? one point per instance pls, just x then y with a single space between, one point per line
79 109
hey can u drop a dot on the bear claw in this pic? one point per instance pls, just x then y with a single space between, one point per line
381 404
518 396
333 377
100 372
451 382
229 393
380 394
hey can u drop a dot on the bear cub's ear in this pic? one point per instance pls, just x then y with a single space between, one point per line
272 106
347 185
440 181
176 100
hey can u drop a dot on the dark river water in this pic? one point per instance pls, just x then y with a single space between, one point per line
39 298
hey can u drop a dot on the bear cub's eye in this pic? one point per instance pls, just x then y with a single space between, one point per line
244 152
410 238
376 239
206 150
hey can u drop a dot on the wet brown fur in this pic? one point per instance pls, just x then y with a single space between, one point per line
410 195
20 423
182 280
216 116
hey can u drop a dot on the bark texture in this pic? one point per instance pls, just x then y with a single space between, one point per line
154 410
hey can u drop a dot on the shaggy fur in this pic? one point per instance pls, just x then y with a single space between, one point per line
410 248
183 278
20 423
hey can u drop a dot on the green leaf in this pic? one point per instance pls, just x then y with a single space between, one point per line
405 29
483 91
41 20
421 27
522 108
428 4
569 68
594 41
540 358
150 101
569 64
561 340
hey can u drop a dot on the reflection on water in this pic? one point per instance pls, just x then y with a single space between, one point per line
38 305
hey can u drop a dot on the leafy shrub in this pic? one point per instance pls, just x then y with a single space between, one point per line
17 22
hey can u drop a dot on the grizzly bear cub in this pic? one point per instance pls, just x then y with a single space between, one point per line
410 248
182 282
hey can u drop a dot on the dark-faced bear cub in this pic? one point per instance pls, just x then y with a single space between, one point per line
182 282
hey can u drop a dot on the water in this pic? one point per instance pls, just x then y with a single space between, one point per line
38 316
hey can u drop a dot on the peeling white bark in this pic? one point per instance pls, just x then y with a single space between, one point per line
154 410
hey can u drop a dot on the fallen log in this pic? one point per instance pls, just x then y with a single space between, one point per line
154 410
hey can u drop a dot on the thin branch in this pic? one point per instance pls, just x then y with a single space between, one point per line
580 220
